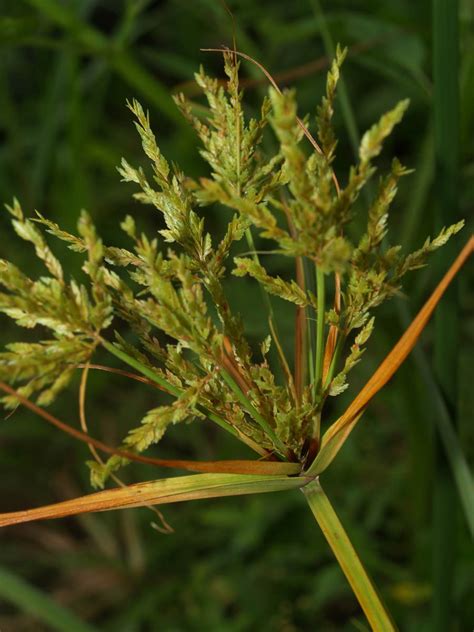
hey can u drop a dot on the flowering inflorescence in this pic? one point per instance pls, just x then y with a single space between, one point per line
174 301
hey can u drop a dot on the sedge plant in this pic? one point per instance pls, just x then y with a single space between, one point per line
160 307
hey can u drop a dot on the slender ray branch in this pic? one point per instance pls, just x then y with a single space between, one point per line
237 466
165 527
320 317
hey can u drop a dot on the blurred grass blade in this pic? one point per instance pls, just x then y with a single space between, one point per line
414 86
163 491
342 93
122 61
348 559
337 434
446 43
29 599
423 180
442 418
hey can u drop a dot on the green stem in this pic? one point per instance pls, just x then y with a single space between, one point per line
334 360
310 354
268 305
170 388
144 370
348 560
253 412
321 295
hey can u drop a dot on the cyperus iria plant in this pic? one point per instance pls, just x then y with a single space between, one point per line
177 327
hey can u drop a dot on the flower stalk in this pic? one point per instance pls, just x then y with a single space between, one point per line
320 322
337 538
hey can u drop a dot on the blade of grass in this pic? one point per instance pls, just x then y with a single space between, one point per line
414 87
342 93
163 491
349 561
446 139
444 423
51 116
423 179
38 604
121 60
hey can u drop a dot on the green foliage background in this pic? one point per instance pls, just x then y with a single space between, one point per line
66 69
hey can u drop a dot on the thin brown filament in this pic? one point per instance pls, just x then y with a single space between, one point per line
234 26
334 332
134 376
302 126
165 527
190 88
236 466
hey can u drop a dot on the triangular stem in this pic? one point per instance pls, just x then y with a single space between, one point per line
348 560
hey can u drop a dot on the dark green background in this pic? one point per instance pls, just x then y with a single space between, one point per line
66 69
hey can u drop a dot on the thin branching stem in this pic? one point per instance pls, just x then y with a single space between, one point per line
301 333
321 297
253 412
167 386
334 360
271 317
164 527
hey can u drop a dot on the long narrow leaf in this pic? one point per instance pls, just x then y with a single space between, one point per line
17 591
167 490
121 61
446 131
337 434
459 466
